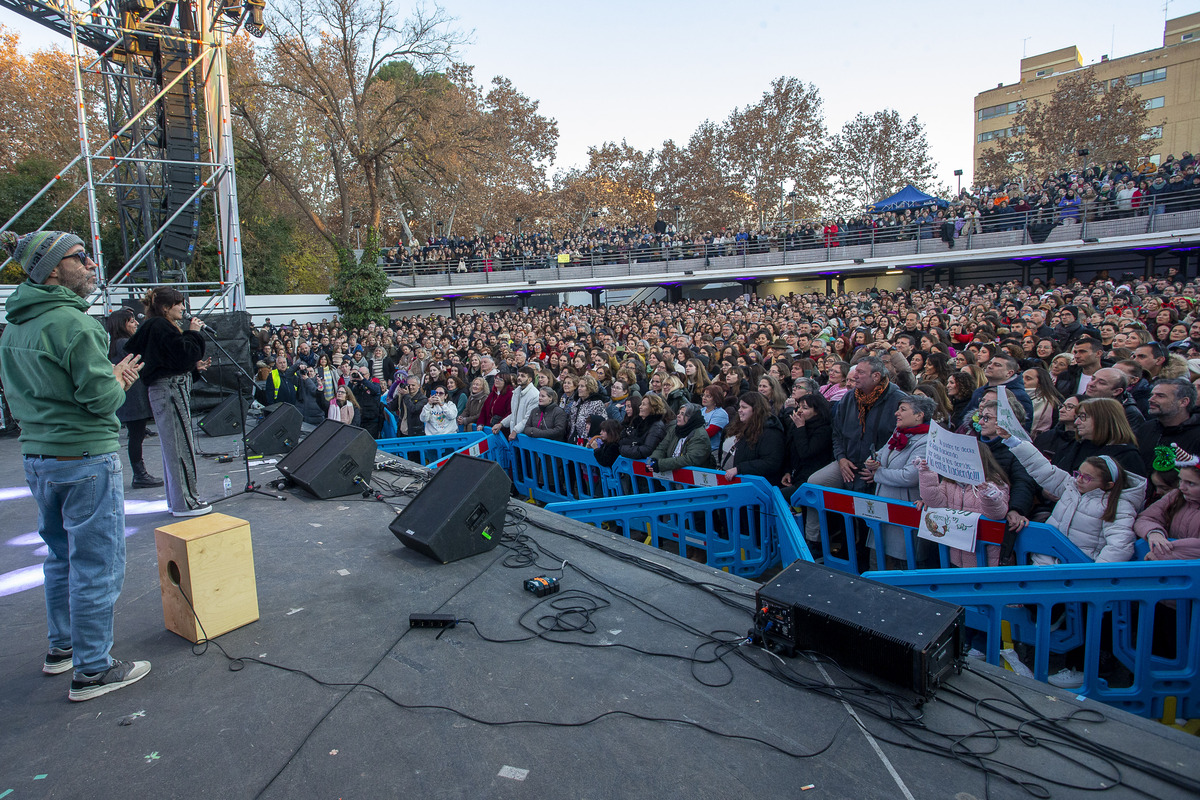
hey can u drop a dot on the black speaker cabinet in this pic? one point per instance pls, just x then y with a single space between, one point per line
459 513
279 431
225 419
329 459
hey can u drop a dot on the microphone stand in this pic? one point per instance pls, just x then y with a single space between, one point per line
251 487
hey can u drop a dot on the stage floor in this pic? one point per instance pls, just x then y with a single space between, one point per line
468 718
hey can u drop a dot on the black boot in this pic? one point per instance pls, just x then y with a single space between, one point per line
143 479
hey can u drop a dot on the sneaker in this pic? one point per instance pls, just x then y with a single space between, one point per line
119 675
58 661
1066 678
1015 663
976 654
198 511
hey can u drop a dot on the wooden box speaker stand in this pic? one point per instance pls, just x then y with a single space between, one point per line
211 560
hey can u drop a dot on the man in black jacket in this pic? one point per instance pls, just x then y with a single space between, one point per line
1173 419
1112 382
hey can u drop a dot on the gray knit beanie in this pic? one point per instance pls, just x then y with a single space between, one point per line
38 253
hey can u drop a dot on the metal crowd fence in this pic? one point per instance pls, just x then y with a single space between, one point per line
1176 211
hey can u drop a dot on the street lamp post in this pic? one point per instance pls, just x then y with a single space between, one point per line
958 174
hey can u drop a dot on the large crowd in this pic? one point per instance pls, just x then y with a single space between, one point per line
838 391
1113 190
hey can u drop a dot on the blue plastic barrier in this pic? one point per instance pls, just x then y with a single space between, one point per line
427 449
551 472
1122 597
634 477
732 527
874 512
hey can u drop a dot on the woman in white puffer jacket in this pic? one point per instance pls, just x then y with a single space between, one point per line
1096 507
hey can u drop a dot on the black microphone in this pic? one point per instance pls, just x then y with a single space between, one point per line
187 321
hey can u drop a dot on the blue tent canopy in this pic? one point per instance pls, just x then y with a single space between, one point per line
908 197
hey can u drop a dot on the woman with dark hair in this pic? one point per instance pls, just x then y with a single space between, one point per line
960 386
135 413
170 355
1045 396
936 391
498 403
643 431
809 438
758 446
937 367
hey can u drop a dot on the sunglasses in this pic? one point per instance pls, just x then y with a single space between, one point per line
82 255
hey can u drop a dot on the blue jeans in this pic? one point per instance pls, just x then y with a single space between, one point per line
81 518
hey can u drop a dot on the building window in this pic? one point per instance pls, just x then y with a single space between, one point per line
1041 73
1187 37
1143 78
988 136
1153 133
1002 110
1155 102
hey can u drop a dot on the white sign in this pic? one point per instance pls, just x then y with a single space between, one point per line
1006 418
870 508
956 529
954 456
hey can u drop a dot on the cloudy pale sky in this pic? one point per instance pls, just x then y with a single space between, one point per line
649 71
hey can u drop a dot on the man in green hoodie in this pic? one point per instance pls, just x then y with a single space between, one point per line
65 393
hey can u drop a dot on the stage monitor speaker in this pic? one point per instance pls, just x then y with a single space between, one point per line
225 419
329 460
892 633
459 513
279 431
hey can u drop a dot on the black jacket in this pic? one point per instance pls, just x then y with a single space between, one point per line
1022 490
1152 433
1070 456
165 350
641 437
810 448
766 457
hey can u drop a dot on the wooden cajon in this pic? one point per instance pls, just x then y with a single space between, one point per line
211 559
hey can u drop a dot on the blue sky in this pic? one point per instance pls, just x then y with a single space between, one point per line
650 71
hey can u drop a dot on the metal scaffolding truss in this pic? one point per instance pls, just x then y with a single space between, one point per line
162 75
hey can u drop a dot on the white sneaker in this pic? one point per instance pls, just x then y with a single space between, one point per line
198 511
976 654
1066 678
1015 663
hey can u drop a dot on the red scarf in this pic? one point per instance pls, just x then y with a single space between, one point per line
899 439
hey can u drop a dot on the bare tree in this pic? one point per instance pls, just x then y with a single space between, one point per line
778 145
876 156
1107 118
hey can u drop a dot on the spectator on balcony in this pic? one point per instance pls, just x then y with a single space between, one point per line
1069 208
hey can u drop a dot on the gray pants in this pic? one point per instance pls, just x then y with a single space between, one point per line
830 475
171 404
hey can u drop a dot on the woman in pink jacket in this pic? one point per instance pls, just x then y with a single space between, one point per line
989 498
1171 526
